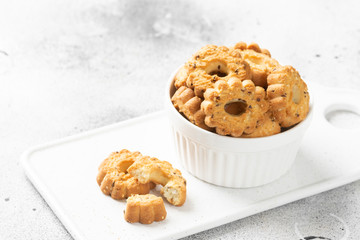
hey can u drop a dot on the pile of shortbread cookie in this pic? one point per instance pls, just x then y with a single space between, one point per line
240 91
131 175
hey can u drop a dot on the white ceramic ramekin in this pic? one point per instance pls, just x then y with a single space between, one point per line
233 162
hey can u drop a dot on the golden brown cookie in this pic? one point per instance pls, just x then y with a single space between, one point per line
181 76
114 180
122 185
147 169
260 62
120 161
144 209
266 126
186 102
212 63
234 107
288 96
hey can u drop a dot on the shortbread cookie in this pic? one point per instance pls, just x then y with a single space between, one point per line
181 76
288 96
260 61
266 126
212 63
123 185
144 209
186 102
120 161
114 180
147 169
234 107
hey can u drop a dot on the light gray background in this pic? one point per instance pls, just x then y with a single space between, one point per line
70 66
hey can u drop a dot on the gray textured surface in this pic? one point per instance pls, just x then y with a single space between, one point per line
70 66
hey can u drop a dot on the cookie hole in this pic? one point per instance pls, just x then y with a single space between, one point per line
217 68
236 107
218 73
344 118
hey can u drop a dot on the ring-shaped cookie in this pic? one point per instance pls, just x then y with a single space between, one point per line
234 107
114 180
147 169
212 63
260 62
181 76
288 96
186 102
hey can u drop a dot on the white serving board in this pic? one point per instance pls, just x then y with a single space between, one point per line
64 173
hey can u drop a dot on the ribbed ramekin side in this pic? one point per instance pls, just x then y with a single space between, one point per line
234 169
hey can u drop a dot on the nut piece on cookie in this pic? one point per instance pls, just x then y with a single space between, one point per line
266 126
212 63
234 107
144 209
147 169
259 60
114 180
288 96
186 102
